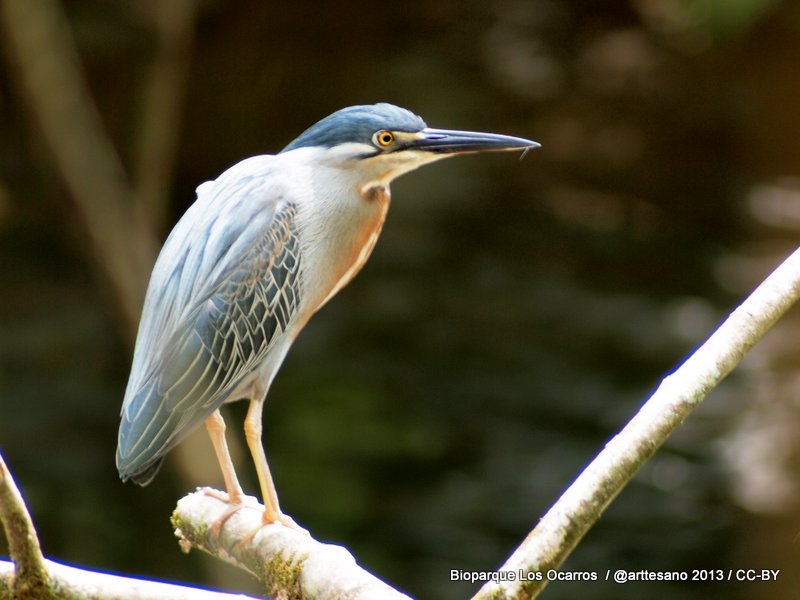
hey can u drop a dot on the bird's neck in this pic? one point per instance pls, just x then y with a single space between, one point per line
351 232
363 235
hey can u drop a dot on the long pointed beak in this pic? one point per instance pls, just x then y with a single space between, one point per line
445 141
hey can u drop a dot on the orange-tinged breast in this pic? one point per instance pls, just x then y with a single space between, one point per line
364 238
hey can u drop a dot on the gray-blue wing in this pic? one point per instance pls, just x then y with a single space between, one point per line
225 287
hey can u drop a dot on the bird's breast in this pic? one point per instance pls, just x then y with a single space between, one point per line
350 236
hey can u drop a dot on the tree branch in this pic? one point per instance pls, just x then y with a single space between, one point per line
80 584
30 575
290 564
565 524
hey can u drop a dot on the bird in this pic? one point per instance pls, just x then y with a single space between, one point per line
263 247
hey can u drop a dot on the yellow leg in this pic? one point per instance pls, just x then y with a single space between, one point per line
252 432
216 431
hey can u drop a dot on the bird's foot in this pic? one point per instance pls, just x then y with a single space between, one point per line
269 518
282 519
236 503
221 496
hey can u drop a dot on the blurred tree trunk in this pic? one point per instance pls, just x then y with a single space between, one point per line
119 219
48 69
162 106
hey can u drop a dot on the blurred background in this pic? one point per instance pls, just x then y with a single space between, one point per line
514 315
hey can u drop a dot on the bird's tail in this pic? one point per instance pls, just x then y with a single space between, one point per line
144 475
143 441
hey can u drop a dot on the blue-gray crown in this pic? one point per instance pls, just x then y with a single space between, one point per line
357 124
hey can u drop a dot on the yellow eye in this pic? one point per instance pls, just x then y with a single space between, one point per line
383 138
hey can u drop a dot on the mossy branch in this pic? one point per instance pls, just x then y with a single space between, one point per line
291 565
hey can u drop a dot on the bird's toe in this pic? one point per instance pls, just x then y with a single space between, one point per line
285 520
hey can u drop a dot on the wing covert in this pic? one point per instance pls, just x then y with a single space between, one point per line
212 318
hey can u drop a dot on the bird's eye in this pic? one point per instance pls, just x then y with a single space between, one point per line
383 138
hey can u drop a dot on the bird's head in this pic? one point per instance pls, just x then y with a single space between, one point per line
383 141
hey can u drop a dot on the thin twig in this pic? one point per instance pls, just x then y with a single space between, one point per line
30 575
565 524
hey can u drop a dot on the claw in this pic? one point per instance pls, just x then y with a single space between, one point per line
285 520
281 519
221 496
